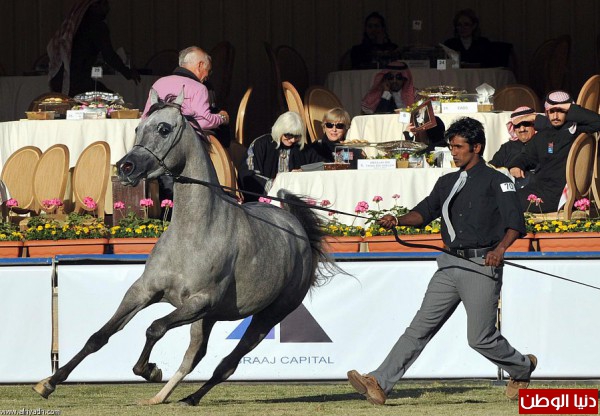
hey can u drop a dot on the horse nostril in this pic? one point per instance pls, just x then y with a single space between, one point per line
126 168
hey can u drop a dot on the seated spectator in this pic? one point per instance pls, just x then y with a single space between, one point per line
474 49
392 88
556 131
284 150
336 123
521 132
376 49
432 137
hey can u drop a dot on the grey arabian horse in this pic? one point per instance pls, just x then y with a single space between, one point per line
218 260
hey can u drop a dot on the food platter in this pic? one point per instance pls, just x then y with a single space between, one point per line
440 92
99 97
401 146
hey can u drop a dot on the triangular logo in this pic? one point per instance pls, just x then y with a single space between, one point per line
299 326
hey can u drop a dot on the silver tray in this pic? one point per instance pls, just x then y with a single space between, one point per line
99 96
400 146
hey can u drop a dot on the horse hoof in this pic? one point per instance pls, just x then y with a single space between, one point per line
186 402
44 388
155 375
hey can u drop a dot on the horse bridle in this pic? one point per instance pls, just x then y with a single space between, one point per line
174 141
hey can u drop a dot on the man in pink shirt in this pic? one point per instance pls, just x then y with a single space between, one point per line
194 68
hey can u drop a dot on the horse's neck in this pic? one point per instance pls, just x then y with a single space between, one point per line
195 200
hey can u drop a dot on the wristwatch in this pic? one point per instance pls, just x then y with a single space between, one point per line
223 118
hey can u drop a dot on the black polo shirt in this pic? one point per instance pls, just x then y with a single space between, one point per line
481 212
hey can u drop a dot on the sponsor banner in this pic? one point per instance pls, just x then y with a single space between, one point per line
26 319
558 402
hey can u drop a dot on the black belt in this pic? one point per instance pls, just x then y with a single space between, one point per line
469 253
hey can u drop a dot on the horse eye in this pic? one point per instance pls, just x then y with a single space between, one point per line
164 129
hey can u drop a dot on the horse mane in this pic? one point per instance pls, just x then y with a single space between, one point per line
168 101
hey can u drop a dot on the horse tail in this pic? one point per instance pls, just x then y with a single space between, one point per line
313 226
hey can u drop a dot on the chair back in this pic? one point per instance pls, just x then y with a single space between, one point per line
589 96
50 176
549 64
292 99
163 62
292 68
240 131
317 101
222 163
17 175
90 176
222 56
275 79
516 95
580 169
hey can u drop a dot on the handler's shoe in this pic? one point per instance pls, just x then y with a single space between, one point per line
367 386
513 386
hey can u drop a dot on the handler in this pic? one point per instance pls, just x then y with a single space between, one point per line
478 223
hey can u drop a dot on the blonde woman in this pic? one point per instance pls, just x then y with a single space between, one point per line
336 123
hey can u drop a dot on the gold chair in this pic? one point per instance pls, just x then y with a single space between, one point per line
292 68
17 175
549 64
222 55
90 177
50 175
163 62
292 99
240 131
317 101
589 96
222 163
516 95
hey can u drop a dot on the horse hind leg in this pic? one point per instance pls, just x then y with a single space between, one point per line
258 329
199 334
134 301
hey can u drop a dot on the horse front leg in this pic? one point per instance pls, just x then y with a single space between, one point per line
199 334
191 311
134 301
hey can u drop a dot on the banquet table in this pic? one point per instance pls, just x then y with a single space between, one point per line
351 86
75 134
387 127
18 92
345 188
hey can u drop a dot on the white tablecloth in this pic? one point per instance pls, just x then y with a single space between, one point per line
351 86
18 92
387 127
345 188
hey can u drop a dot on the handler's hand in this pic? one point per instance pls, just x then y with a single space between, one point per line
517 173
494 258
388 221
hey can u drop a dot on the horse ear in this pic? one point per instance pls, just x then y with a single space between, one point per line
153 96
179 99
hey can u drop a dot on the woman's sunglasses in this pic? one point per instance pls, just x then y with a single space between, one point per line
291 136
339 126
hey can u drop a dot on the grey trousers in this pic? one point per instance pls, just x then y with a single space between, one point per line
478 287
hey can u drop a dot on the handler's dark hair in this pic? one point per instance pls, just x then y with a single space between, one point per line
470 129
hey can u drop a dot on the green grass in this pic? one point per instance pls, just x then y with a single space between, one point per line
253 399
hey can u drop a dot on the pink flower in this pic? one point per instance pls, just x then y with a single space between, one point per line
538 201
582 204
90 203
265 200
166 203
396 196
532 198
362 206
119 205
377 198
311 201
11 203
52 203
325 203
331 213
146 202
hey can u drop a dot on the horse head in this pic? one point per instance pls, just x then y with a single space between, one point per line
154 151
